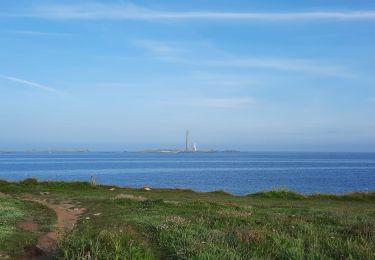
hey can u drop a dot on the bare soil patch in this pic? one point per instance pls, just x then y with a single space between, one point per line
66 214
28 225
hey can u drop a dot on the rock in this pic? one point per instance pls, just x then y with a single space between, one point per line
97 214
112 189
147 188
34 252
44 193
4 256
87 218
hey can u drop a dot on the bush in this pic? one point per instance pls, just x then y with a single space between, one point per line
220 192
278 193
29 181
3 182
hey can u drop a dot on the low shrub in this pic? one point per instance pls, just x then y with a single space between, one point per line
3 182
29 181
278 193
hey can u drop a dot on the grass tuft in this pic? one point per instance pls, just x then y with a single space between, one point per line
89 243
278 193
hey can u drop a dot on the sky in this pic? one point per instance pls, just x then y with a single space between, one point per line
132 75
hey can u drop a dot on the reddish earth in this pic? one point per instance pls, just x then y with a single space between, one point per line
28 225
66 214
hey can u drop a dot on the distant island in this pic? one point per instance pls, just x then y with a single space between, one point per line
45 151
183 151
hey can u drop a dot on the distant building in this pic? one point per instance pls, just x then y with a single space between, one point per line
194 147
188 146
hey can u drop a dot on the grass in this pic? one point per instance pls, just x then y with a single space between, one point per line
182 224
88 242
13 211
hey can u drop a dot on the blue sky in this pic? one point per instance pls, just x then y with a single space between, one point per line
248 75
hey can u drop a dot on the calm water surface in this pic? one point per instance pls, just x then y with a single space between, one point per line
238 173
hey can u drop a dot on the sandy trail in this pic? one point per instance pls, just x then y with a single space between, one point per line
67 215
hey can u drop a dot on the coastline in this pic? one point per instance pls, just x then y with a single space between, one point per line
147 223
236 173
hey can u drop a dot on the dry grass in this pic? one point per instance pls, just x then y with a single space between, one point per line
129 197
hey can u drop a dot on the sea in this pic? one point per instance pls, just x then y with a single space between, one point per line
238 173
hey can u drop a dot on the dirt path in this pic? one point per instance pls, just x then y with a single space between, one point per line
67 215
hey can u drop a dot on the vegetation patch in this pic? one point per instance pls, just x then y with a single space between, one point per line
91 243
130 197
20 224
278 193
124 223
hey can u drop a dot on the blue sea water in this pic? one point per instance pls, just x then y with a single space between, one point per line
238 173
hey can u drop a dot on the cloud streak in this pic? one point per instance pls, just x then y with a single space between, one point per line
134 12
158 47
286 64
185 54
34 33
211 102
309 66
32 84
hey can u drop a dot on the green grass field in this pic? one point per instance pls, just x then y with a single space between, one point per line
14 211
182 224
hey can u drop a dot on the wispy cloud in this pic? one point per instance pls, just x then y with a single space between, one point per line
159 47
286 64
224 79
211 102
191 54
129 11
307 66
32 84
34 33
